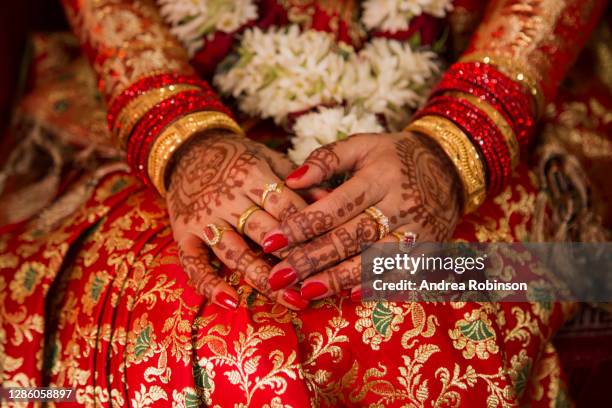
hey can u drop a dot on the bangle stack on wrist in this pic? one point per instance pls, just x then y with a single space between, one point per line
152 106
496 89
477 104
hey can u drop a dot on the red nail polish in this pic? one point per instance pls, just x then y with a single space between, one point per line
313 290
297 173
356 295
274 243
225 300
282 278
293 297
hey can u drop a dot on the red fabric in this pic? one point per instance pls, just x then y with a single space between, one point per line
130 327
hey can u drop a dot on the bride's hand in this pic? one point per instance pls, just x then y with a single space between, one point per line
216 177
406 176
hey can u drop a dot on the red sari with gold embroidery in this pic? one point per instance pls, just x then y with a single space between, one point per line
94 297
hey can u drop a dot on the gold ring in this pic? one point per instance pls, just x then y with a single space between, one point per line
271 188
381 219
244 217
217 234
407 240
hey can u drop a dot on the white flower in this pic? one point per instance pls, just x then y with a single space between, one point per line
395 15
327 125
191 21
284 70
392 79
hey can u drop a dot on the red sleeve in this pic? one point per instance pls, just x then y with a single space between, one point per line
539 38
145 78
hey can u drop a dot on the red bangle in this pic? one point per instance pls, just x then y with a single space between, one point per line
146 84
501 92
158 118
482 131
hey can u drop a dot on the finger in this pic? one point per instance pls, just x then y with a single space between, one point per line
194 257
332 281
270 193
255 221
326 161
279 163
234 252
347 275
341 205
325 251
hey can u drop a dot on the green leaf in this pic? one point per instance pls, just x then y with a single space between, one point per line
143 342
382 316
476 330
440 44
415 40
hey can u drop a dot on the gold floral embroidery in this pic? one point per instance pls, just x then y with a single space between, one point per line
525 327
134 35
244 360
415 388
379 320
25 280
500 394
8 260
520 371
474 335
521 30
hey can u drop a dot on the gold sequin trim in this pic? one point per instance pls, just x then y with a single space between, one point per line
175 135
457 145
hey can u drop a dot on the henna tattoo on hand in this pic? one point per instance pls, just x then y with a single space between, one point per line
301 225
344 277
200 272
325 159
210 172
430 186
333 247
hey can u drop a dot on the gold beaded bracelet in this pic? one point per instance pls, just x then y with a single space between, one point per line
514 71
457 145
137 108
499 121
176 134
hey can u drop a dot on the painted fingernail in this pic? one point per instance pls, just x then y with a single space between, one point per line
274 243
225 300
313 290
297 173
282 278
293 297
356 295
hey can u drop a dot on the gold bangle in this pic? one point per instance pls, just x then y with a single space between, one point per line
242 220
176 134
457 145
137 108
498 119
517 72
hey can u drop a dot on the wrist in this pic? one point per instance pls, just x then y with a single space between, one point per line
459 155
177 135
197 144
